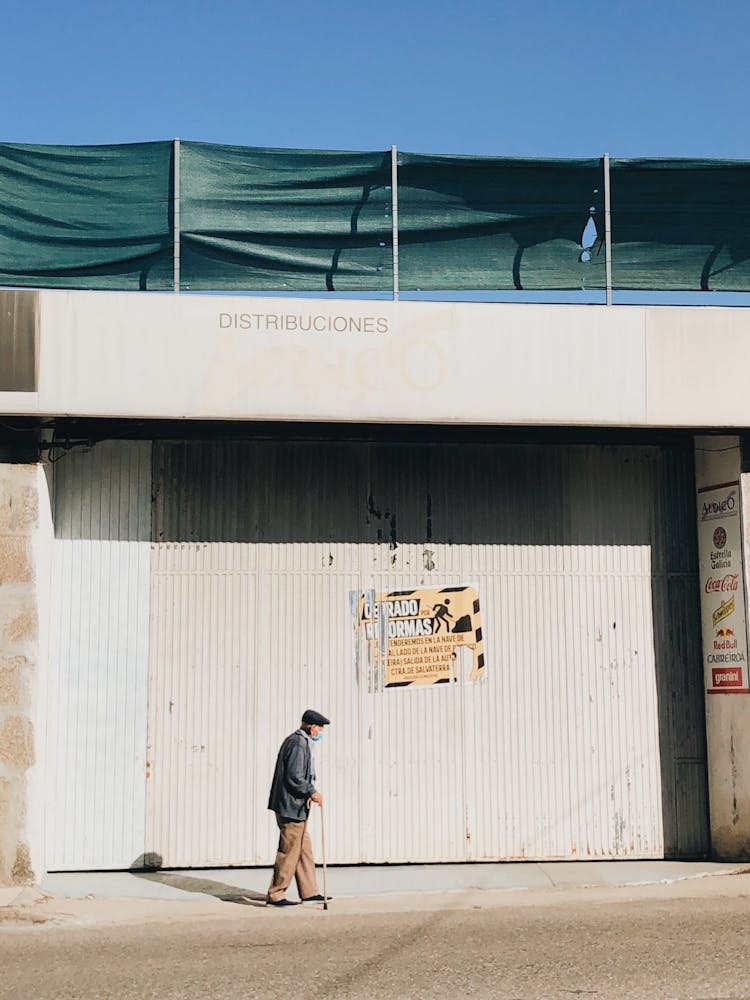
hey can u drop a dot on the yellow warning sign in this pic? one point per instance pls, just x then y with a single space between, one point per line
420 630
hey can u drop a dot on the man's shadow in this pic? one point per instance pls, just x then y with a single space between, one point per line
149 864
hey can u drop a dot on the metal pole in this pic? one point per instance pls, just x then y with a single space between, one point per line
394 219
325 865
176 214
607 230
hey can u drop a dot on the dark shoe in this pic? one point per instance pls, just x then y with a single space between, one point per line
317 899
281 902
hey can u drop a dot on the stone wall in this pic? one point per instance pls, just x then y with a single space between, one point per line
19 663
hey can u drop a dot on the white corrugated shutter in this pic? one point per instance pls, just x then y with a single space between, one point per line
554 754
98 660
571 746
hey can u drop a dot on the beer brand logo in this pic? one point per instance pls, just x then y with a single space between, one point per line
720 538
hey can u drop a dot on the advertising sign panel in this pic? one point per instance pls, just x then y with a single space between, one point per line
722 589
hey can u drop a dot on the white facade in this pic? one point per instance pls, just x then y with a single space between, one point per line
201 588
239 358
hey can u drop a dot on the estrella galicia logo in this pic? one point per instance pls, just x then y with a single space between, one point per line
720 537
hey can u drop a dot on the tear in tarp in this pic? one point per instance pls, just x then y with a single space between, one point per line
490 223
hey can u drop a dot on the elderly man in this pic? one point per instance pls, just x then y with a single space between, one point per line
292 790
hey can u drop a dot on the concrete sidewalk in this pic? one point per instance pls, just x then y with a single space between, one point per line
13 895
250 884
104 899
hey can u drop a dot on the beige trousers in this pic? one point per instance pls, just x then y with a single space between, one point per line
293 858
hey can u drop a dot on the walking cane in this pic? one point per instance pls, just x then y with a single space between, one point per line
323 845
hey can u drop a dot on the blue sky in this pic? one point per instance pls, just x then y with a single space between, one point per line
534 78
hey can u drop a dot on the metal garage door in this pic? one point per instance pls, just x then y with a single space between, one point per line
202 599
585 737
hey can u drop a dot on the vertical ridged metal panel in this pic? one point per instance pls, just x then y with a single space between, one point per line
98 663
227 682
571 746
259 631
304 660
559 742
201 698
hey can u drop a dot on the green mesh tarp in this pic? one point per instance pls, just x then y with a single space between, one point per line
275 219
308 220
86 216
680 224
487 223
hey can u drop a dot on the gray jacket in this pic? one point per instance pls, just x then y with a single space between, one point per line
292 783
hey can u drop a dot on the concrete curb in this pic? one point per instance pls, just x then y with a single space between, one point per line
249 884
9 896
27 895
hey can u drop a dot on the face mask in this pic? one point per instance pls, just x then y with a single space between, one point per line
317 738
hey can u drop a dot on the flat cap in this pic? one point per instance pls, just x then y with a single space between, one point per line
312 718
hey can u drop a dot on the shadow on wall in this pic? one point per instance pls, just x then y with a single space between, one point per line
370 492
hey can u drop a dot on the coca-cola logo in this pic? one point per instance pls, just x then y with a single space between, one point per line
722 585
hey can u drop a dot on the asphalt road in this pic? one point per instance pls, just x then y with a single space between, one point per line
650 943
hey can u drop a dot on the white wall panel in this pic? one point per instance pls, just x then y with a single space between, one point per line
244 638
98 658
588 361
201 704
555 752
435 362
